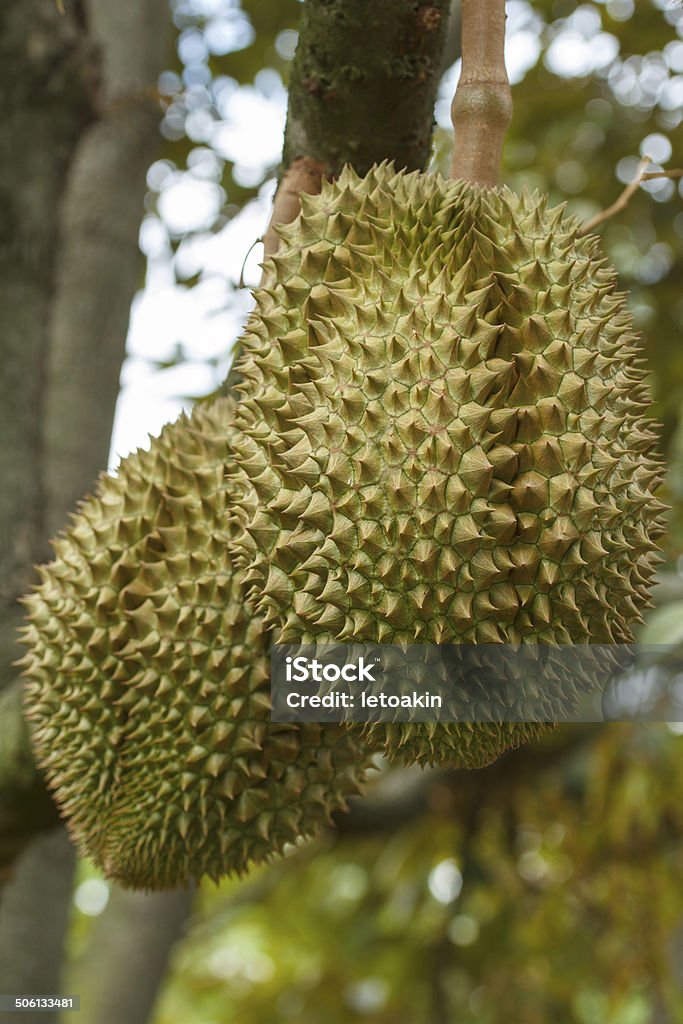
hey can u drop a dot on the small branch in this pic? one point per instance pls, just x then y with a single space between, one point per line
482 106
675 172
642 174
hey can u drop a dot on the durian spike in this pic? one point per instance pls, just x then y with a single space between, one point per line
482 105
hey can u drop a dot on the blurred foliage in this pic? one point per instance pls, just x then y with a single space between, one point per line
558 899
560 896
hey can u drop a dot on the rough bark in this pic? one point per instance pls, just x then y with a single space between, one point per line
363 82
361 90
127 958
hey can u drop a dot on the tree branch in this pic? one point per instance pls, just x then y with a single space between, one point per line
362 89
36 910
126 961
482 106
641 175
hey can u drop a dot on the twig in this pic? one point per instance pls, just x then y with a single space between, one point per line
642 174
482 106
257 241
675 172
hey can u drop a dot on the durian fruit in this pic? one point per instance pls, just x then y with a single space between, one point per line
148 687
443 416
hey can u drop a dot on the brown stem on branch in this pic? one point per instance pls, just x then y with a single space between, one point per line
482 106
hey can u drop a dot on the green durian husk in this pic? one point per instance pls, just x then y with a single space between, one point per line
445 437
148 679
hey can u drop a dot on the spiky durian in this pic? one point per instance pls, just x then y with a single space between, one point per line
148 681
444 423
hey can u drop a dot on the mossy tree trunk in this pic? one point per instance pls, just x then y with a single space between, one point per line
363 82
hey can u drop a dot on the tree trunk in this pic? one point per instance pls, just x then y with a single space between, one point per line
363 82
48 75
77 134
35 914
128 953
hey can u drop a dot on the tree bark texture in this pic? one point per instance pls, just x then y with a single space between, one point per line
364 81
362 89
48 85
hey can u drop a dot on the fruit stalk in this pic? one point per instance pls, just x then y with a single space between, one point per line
482 105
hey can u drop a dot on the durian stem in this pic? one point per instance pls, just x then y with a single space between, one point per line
482 106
